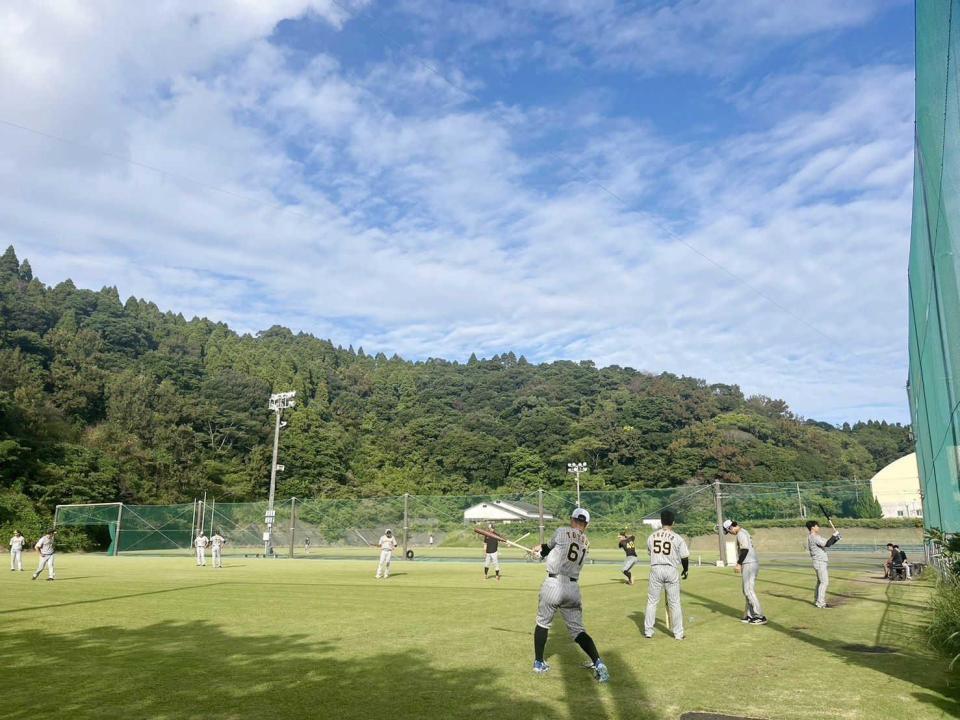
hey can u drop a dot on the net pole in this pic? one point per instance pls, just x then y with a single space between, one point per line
406 521
193 523
293 523
116 549
718 496
213 510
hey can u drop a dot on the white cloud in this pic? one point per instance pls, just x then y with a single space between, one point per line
348 205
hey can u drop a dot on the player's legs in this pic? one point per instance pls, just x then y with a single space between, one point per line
199 556
382 564
673 602
654 589
571 608
628 568
486 564
41 565
216 557
51 573
496 564
823 579
13 559
547 604
20 560
750 572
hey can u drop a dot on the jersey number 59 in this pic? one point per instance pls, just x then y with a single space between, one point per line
662 547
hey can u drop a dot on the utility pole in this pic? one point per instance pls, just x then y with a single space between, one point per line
800 502
540 508
278 403
719 500
576 469
406 521
293 523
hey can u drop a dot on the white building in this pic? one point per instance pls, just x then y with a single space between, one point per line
897 488
503 511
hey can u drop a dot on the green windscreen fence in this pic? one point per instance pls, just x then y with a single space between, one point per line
934 312
443 524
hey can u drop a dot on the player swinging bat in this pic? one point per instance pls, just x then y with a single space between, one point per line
818 553
560 592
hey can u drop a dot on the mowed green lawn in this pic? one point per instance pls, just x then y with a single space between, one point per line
135 637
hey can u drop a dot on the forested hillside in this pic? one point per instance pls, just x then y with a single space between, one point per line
102 399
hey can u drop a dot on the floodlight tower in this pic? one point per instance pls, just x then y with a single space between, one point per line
278 403
576 469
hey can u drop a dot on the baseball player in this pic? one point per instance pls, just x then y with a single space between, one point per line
818 552
668 551
16 551
217 542
628 545
748 567
388 543
201 543
306 546
45 546
491 548
560 592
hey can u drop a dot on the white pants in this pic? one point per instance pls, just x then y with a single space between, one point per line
748 573
16 559
383 569
201 556
823 579
217 562
492 559
48 561
561 594
663 576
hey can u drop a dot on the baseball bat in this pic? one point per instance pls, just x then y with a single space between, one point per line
363 538
487 533
666 605
824 511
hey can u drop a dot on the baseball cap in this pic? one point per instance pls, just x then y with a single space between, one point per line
581 515
727 524
388 531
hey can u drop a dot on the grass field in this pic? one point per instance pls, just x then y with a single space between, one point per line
136 637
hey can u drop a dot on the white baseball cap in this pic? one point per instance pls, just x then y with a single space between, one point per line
581 514
727 524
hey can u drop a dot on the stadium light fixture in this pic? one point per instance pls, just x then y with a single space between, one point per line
576 469
278 403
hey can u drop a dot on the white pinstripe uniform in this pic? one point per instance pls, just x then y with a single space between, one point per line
387 544
46 546
666 550
750 568
217 542
560 591
200 543
16 552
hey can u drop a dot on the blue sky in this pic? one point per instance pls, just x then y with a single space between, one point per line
711 188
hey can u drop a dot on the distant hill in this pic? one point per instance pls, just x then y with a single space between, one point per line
102 400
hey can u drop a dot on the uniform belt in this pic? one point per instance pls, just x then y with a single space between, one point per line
553 575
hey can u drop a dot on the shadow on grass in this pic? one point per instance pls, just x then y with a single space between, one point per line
92 601
903 665
811 589
197 670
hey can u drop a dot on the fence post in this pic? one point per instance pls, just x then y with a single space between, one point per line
193 525
719 501
213 510
116 548
293 523
406 523
540 509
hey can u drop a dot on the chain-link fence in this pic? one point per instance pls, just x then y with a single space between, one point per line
441 527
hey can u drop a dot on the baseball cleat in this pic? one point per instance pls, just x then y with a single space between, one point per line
758 621
601 673
745 619
540 667
33 577
679 637
49 579
648 637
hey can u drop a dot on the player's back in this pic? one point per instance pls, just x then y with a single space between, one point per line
568 552
666 547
